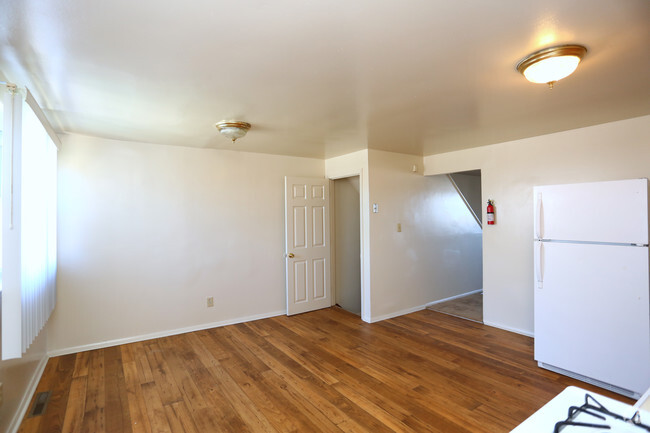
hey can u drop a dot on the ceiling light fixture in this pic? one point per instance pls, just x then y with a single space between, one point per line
233 129
551 64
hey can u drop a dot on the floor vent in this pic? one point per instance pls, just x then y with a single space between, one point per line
40 403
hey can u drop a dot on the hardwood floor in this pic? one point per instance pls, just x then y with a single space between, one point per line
468 307
324 371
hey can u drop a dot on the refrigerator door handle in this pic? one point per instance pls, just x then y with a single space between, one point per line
538 222
539 265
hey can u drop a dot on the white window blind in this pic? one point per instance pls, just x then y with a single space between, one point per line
29 159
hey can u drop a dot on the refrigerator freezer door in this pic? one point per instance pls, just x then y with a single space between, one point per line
614 212
591 313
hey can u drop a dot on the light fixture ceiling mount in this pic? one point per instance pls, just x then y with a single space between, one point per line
551 64
233 129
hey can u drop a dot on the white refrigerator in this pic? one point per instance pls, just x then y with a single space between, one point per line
592 290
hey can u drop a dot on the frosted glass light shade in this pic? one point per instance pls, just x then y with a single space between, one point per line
232 132
233 129
551 64
551 69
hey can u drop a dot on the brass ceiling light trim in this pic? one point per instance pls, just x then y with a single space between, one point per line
551 64
233 129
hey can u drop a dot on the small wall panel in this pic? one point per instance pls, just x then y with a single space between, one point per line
318 192
300 281
300 191
318 220
299 227
319 278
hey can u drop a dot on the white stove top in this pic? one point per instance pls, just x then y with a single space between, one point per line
557 410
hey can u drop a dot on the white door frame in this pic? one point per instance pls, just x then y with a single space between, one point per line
364 212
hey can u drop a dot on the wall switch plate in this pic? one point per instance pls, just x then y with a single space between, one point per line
375 208
210 301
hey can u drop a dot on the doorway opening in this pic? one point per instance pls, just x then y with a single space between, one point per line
468 305
346 226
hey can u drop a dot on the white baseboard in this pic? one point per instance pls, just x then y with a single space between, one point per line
510 329
14 425
117 342
396 314
462 295
486 322
418 308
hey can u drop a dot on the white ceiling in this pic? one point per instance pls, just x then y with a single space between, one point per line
324 78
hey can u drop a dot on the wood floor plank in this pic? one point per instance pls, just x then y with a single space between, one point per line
162 375
457 366
144 369
270 397
219 409
184 417
174 422
155 410
293 373
315 350
81 364
292 366
118 417
53 418
200 407
135 398
94 420
76 407
174 350
394 421
241 402
286 378
302 405
323 371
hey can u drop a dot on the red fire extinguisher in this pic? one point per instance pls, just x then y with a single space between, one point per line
490 212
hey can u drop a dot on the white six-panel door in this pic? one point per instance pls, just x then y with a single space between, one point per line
307 244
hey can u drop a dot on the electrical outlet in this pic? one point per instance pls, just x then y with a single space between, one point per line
210 301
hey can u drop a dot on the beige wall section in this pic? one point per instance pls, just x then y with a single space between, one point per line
148 232
436 255
19 378
617 150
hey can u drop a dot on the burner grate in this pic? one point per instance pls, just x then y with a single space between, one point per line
593 415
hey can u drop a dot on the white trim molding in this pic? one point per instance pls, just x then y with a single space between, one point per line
462 295
14 425
509 329
167 333
397 313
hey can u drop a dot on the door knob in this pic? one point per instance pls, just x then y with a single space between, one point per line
290 255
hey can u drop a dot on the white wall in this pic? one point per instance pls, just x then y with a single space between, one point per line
147 232
617 150
19 378
437 253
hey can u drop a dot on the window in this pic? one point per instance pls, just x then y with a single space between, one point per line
29 156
